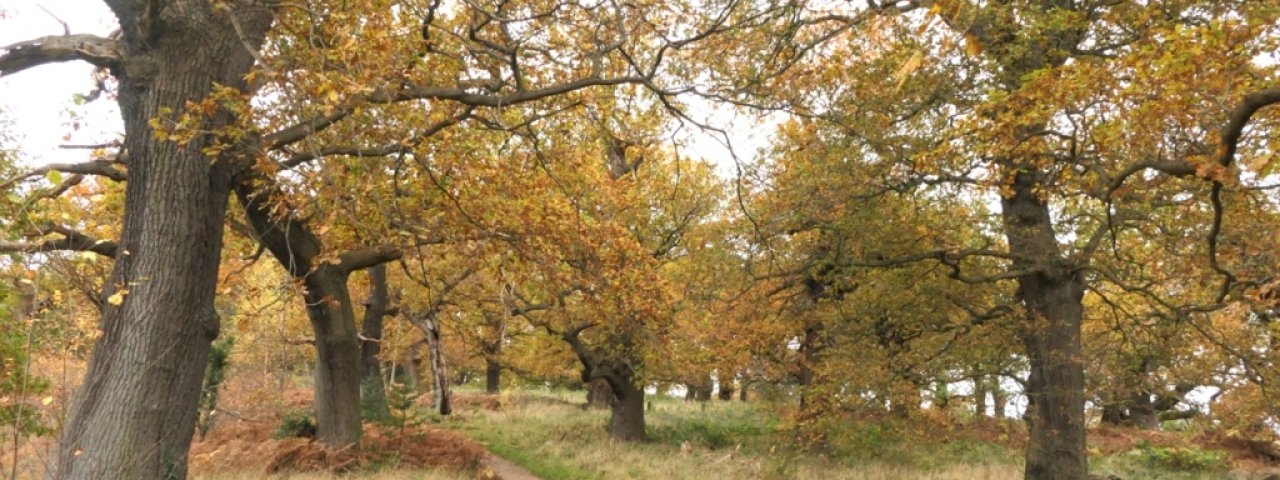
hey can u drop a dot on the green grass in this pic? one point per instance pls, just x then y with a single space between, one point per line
546 433
1164 463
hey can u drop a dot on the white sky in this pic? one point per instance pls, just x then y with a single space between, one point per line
40 100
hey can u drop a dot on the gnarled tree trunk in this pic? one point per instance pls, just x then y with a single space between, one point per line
599 394
626 421
135 414
338 369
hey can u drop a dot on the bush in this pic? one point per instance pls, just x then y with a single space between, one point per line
298 423
1186 459
16 384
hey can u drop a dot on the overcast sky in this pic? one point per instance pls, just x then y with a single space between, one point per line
40 101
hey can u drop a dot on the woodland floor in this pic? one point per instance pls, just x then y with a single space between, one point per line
549 435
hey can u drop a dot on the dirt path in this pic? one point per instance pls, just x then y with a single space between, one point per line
503 469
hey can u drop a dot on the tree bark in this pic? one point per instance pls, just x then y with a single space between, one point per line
997 397
492 350
808 359
618 374
412 358
135 414
626 422
492 376
373 391
600 394
980 394
726 391
1052 295
338 369
430 326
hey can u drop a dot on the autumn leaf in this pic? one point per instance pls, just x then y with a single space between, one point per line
117 298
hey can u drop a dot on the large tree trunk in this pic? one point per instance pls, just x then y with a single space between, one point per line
135 414
492 350
626 422
618 374
328 299
726 390
1052 295
338 369
373 391
492 376
600 394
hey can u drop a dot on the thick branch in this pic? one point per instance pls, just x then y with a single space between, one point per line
70 240
368 257
1169 167
951 259
1239 119
103 52
392 149
101 167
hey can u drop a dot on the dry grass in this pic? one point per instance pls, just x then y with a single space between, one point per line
558 440
394 474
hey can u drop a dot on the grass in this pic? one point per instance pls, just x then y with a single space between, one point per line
1164 463
390 474
546 433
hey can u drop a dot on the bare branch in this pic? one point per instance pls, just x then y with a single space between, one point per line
461 95
102 168
103 52
69 240
1237 120
404 146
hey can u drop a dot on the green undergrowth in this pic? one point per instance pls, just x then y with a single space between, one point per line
1147 461
549 434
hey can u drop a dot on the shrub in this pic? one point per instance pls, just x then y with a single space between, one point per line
298 423
16 384
214 373
1187 459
